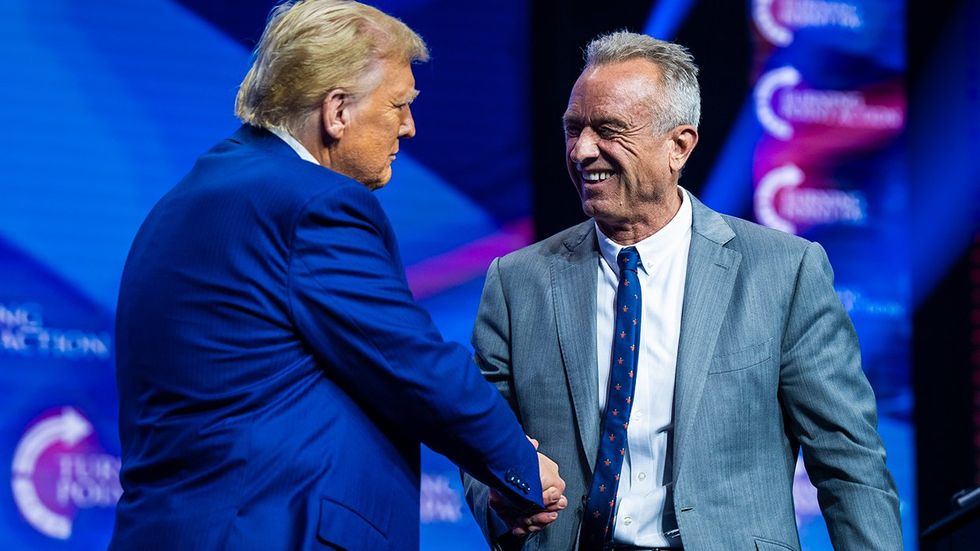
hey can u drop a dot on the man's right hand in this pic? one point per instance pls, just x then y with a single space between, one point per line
523 522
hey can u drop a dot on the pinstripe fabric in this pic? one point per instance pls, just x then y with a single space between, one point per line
768 364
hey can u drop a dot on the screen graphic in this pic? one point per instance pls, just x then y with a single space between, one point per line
828 165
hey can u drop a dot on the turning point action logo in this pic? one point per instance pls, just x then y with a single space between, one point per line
806 206
23 333
776 19
780 101
58 469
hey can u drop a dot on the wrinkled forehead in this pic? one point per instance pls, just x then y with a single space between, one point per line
624 88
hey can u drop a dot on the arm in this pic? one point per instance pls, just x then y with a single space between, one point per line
831 412
502 527
351 304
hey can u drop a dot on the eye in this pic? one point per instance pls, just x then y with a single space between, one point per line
572 131
606 132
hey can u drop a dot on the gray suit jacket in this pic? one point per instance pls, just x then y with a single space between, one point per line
768 363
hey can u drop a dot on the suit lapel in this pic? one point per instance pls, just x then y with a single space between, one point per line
573 278
711 271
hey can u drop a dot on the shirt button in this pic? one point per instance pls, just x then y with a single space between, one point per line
627 521
642 476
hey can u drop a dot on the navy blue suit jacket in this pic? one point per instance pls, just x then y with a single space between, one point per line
275 374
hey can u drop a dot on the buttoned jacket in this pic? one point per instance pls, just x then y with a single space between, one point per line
275 375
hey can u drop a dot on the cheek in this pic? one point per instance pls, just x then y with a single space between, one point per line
627 153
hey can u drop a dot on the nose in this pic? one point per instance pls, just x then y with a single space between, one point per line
407 129
585 147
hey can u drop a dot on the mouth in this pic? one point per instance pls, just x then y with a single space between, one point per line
596 176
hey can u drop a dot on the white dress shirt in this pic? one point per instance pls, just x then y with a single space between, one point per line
643 488
292 142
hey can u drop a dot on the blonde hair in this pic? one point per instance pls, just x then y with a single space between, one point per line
310 47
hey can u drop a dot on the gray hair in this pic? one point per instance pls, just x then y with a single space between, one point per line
310 47
681 103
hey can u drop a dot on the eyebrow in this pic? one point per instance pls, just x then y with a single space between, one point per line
598 121
571 120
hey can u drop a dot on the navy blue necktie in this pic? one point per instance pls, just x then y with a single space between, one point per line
600 511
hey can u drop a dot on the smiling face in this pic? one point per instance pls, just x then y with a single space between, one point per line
620 162
377 121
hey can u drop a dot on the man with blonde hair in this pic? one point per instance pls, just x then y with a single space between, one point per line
275 375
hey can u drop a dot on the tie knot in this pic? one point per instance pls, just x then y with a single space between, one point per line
628 259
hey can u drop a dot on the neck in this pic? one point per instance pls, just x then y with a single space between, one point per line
648 220
311 136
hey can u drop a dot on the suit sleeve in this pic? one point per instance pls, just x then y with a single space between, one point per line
831 412
491 341
351 304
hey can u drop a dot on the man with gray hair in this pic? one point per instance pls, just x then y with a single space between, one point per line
674 360
275 375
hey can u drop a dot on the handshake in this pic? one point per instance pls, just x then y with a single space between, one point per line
522 522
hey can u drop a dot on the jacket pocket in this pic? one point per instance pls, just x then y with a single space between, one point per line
769 545
345 528
742 359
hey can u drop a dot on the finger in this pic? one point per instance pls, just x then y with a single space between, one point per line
559 505
559 484
534 523
542 519
551 496
534 442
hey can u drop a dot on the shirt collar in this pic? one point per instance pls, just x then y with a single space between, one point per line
292 142
655 246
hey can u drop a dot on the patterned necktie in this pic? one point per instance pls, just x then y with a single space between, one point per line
599 517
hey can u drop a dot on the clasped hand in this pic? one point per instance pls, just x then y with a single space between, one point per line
521 521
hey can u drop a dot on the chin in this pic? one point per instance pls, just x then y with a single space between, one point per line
379 182
592 208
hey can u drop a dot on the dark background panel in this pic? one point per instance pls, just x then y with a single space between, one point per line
943 376
716 32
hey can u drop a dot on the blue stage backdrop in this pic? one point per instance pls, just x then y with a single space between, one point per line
818 150
828 164
106 105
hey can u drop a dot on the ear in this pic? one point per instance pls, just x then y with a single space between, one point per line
683 140
335 113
